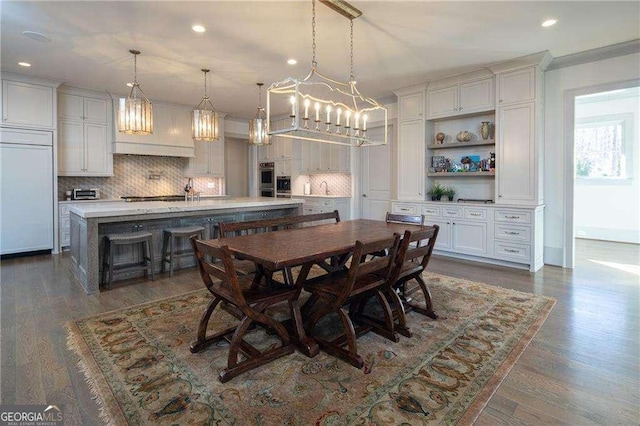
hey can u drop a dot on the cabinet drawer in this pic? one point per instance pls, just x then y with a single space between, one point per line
326 203
475 213
511 232
311 203
513 216
512 251
404 208
451 212
65 223
431 211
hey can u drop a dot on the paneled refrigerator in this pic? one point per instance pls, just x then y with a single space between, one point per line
26 191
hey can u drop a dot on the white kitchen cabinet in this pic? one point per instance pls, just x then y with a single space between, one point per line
284 147
461 98
266 153
209 158
83 143
171 133
517 86
283 167
411 106
411 160
28 105
509 236
313 205
516 177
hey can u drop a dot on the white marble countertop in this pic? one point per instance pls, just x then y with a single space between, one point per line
321 196
118 208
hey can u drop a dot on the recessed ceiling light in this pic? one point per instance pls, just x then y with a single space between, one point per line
36 36
549 22
24 64
198 28
292 61
130 84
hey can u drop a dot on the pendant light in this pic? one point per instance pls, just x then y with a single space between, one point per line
135 114
204 119
258 126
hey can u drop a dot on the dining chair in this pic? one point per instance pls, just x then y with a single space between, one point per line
330 293
401 218
249 299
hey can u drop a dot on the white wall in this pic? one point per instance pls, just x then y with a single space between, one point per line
559 84
610 210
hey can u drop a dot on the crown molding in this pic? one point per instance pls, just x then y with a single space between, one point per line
599 54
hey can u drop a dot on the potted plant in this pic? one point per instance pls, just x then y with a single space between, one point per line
436 192
449 192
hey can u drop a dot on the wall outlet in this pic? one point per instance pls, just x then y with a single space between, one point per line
211 185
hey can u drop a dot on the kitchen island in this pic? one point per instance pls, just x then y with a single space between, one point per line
90 222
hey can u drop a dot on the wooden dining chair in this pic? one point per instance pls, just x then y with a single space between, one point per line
411 264
331 292
401 218
249 299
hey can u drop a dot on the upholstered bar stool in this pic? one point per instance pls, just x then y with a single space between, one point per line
145 239
169 242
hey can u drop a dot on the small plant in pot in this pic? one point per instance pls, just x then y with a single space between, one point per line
436 192
449 192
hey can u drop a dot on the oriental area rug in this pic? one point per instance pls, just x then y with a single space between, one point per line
138 365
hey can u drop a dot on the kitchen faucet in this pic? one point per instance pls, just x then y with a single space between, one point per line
188 189
326 188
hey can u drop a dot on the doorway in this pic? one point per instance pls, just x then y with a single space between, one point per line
603 154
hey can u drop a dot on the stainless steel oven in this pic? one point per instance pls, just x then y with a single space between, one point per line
267 175
283 186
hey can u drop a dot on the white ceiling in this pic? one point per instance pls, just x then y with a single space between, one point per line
397 43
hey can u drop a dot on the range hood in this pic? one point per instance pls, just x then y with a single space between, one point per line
171 133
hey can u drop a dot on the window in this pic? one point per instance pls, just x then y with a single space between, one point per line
601 147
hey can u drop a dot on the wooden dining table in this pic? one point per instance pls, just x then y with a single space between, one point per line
282 250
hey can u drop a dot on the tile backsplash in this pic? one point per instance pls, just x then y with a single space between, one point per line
139 175
338 184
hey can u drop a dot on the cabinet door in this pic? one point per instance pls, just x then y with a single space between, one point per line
70 107
469 237
314 156
182 127
283 147
443 242
96 155
515 168
326 151
410 106
27 104
95 110
476 96
163 125
216 158
411 175
442 102
199 165
70 147
517 86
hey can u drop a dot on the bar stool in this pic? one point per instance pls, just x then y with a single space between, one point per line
169 244
145 239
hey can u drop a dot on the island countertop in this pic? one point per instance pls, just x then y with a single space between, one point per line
108 209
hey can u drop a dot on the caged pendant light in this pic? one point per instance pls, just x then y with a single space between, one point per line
258 126
135 114
204 119
322 109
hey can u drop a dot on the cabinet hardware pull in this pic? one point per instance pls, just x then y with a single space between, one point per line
476 214
512 251
512 217
511 233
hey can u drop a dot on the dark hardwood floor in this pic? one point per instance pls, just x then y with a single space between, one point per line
583 367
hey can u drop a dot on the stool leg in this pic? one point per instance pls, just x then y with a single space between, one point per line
171 249
149 245
144 247
112 249
165 235
105 252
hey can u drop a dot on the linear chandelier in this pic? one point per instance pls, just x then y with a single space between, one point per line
204 119
135 114
322 109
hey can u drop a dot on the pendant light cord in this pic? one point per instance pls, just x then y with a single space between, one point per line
135 69
314 64
351 77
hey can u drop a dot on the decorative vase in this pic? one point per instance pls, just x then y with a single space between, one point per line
485 129
463 136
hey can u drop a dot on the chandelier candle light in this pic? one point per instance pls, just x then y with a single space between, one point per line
328 99
258 126
204 119
135 114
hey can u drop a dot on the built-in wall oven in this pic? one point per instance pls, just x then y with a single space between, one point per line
267 173
283 186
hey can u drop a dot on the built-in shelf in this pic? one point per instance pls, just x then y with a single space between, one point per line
467 174
461 144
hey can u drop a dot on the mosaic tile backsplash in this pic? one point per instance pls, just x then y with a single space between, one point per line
338 184
138 175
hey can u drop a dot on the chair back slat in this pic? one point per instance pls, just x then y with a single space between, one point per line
403 218
408 252
362 264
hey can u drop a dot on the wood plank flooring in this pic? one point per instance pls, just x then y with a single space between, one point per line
582 368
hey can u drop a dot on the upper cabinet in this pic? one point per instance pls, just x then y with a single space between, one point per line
461 98
411 144
171 133
411 106
84 148
517 86
209 157
28 102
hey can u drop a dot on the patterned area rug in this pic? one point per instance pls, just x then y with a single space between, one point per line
138 364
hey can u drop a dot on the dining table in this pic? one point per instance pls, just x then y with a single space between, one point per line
306 246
